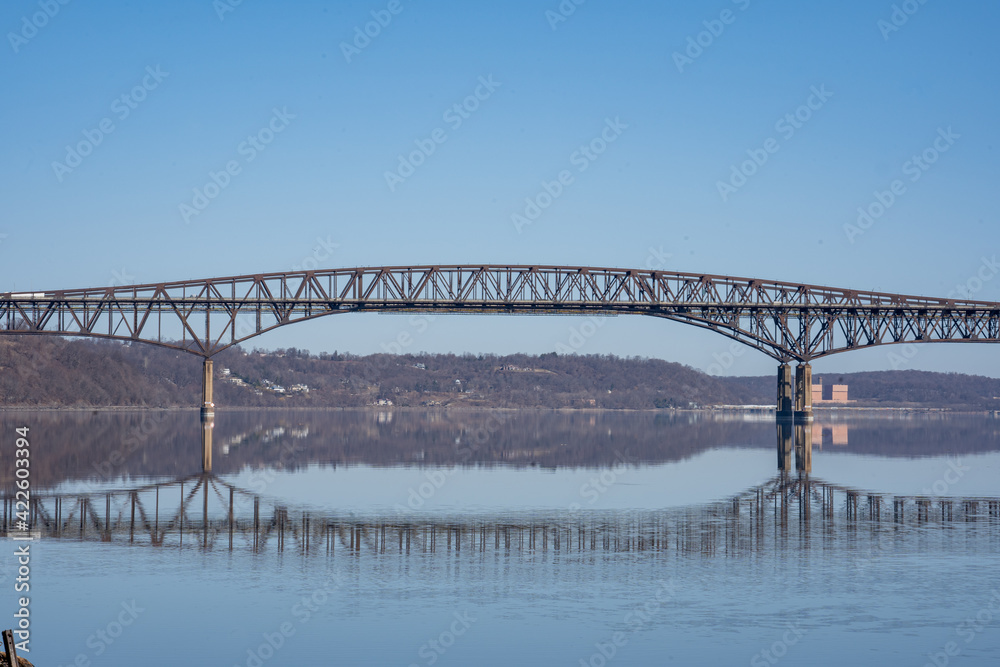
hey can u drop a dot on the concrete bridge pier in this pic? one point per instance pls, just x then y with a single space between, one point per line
207 416
803 393
207 406
785 407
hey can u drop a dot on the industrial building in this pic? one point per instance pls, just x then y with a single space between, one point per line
831 393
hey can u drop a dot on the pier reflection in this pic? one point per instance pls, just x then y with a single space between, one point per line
798 438
208 513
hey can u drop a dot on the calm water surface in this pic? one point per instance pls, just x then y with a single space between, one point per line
498 538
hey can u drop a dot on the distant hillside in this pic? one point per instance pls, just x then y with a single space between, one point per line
43 371
53 372
37 371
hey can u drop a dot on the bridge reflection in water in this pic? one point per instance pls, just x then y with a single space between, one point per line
206 512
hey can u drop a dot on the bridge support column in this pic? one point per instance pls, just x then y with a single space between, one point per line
207 406
785 408
803 393
207 416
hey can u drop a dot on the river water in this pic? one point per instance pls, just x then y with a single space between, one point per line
497 538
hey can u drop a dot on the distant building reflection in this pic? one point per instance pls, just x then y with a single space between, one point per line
829 434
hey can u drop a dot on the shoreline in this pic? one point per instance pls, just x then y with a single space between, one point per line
747 409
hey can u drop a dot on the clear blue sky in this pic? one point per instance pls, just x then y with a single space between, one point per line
198 80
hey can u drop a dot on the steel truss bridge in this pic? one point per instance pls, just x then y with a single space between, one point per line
205 512
787 321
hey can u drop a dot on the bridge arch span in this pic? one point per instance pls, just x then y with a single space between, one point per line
787 321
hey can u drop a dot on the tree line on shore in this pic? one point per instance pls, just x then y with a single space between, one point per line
40 371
